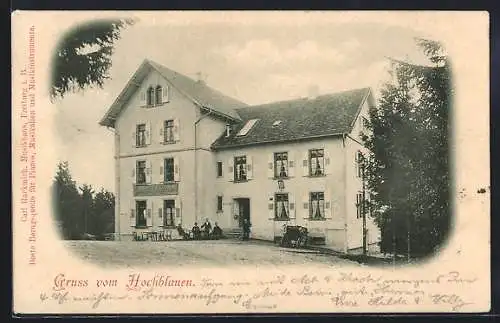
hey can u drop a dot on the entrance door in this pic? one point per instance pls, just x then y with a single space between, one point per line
168 213
244 210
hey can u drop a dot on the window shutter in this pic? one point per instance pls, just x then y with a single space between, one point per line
134 139
291 165
292 207
305 164
230 169
142 99
328 162
176 130
249 167
161 171
133 176
148 133
177 171
160 217
148 172
132 214
328 204
305 205
270 206
166 93
161 128
270 167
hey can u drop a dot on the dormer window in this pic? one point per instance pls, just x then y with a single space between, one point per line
247 127
276 123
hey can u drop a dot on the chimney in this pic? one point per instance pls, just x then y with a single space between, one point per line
200 78
313 92
228 130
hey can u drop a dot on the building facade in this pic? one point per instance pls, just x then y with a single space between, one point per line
185 152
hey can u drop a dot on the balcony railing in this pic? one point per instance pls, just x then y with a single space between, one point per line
156 189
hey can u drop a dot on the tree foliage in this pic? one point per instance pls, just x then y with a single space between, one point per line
81 213
83 55
408 168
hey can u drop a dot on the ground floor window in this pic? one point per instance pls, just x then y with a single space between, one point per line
359 205
219 203
169 213
317 205
140 207
281 211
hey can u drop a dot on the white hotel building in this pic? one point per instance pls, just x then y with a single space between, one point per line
185 152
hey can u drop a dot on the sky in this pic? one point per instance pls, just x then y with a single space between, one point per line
255 63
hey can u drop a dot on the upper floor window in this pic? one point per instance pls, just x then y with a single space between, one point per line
317 205
219 169
140 139
154 95
240 172
159 95
359 205
168 131
150 96
141 172
169 170
316 162
359 164
281 208
280 165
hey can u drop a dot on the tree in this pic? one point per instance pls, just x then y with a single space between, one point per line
408 168
66 202
104 213
87 207
83 55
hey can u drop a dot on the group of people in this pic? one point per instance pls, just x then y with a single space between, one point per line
206 231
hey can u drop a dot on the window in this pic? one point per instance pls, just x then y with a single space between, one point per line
140 206
219 169
150 96
359 205
281 208
169 211
317 205
141 172
219 203
158 94
240 172
244 131
280 165
316 162
169 170
168 131
140 140
359 164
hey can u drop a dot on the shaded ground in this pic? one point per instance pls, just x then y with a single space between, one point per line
123 254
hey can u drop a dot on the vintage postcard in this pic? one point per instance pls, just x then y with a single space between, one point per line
250 162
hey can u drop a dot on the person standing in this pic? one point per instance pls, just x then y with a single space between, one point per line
246 229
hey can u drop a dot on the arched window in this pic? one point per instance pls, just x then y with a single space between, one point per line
159 94
150 96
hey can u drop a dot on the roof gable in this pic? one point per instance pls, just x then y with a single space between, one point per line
198 92
326 115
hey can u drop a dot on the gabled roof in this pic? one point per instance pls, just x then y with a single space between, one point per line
326 115
201 94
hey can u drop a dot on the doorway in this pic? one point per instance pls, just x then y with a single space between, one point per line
242 210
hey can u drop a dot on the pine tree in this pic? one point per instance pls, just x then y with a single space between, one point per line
408 169
83 55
